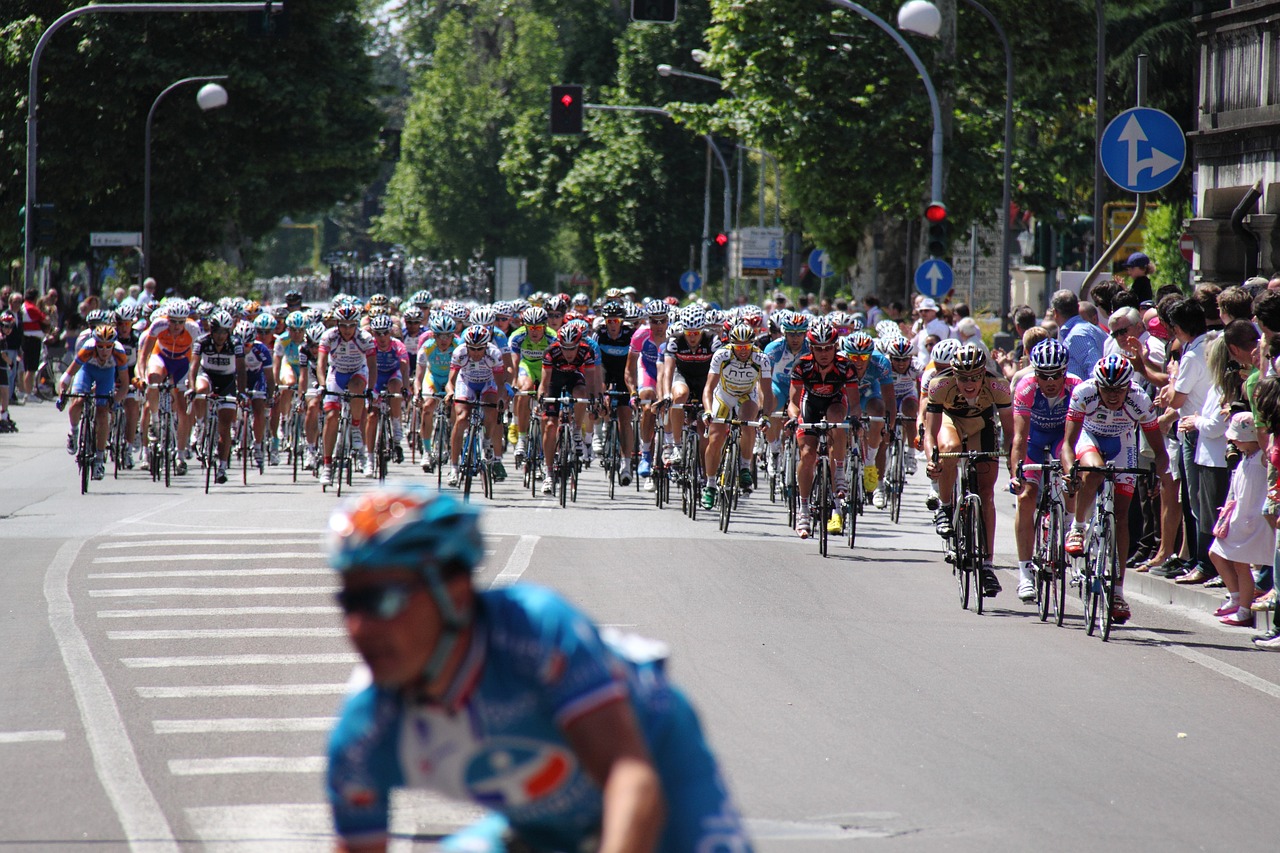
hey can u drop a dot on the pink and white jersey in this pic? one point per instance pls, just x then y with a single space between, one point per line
1047 416
1087 408
347 356
476 371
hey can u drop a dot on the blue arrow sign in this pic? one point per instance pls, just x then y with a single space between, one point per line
1142 150
820 264
526 288
934 278
690 282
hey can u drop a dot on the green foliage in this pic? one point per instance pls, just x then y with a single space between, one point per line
214 279
1163 231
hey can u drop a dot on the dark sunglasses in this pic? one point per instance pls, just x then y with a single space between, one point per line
555 313
380 602
1115 333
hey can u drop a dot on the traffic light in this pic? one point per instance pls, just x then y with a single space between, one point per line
657 11
46 227
939 230
719 245
566 109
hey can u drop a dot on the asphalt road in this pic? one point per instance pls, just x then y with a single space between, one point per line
174 660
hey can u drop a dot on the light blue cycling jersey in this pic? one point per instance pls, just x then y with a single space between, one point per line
783 360
879 373
438 360
534 667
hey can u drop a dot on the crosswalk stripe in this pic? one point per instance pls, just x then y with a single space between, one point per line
32 737
224 691
186 543
247 764
225 633
218 611
206 573
221 557
225 532
243 724
238 660
218 591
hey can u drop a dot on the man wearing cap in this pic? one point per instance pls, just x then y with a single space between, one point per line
1139 268
929 324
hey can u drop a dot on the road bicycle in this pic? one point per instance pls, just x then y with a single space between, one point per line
566 460
689 471
436 455
895 473
476 460
727 484
162 444
787 483
86 448
243 434
967 547
1049 531
611 455
383 441
117 441
530 462
1100 571
822 492
206 431
54 361
343 447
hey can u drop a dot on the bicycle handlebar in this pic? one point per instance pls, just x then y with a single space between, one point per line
761 424
822 426
1109 469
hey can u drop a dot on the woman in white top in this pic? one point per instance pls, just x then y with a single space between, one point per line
1243 537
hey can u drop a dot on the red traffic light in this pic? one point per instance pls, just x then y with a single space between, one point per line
936 212
721 238
566 100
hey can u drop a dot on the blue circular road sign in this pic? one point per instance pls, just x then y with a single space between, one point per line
934 278
820 264
1142 150
526 288
690 282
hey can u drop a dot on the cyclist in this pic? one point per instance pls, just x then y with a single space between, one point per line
783 355
686 362
100 366
286 366
435 356
738 379
526 347
824 387
618 366
220 369
10 347
166 350
476 374
392 361
344 361
568 369
127 337
906 391
310 386
572 735
876 390
1040 403
1105 415
648 343
961 411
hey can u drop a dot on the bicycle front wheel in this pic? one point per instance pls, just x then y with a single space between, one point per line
964 573
822 501
1108 580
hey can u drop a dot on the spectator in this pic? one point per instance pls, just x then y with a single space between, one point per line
148 293
1125 322
35 325
1207 296
1089 312
1083 340
10 347
824 306
1102 295
1242 535
1234 303
1015 369
1274 284
897 310
1124 299
1024 318
1139 269
132 298
874 312
929 324
960 311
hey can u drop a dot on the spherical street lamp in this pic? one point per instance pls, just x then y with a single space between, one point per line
211 96
920 17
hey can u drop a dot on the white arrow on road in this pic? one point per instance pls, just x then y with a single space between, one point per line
1158 161
934 275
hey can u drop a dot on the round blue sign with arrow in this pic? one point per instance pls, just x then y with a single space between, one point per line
526 288
1142 150
690 281
820 264
934 278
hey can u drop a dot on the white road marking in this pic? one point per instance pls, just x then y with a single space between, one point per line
1246 678
225 633
222 557
114 760
206 573
239 660
223 531
134 519
186 543
32 737
223 691
247 764
516 563
219 611
243 724
210 592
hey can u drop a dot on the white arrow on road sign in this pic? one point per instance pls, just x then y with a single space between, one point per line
1158 162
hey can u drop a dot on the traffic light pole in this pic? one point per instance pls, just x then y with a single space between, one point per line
33 93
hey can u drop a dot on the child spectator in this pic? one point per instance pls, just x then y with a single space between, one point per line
1242 535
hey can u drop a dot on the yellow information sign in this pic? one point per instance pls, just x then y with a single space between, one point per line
1115 216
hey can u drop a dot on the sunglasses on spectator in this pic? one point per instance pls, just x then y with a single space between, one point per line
380 602
1119 332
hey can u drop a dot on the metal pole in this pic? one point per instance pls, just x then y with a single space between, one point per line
33 92
706 219
146 166
973 261
936 183
1099 121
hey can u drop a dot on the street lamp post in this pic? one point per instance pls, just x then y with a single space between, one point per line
922 17
210 97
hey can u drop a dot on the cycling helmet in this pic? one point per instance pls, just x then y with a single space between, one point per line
346 314
570 335
252 307
657 308
534 316
377 310
1113 371
422 298
581 300
613 293
899 347
378 300
969 359
856 324
613 311
296 320
381 323
292 296
265 323
944 351
226 303
859 343
313 315
315 331
246 331
96 317
106 334
221 319
128 313
821 333
794 322
327 316
887 329
839 319
693 318
1049 356
177 309
556 305
394 302
7 320
753 316
484 316
412 314
477 336
280 312
442 323
742 335
458 311
712 317
676 329
203 308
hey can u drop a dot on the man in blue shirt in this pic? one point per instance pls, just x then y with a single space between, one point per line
1083 340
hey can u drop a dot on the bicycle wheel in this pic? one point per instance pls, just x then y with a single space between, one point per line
295 442
246 445
86 445
1106 577
1057 563
977 549
898 481
612 454
693 465
960 555
209 453
563 457
168 448
725 481
822 501
469 450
